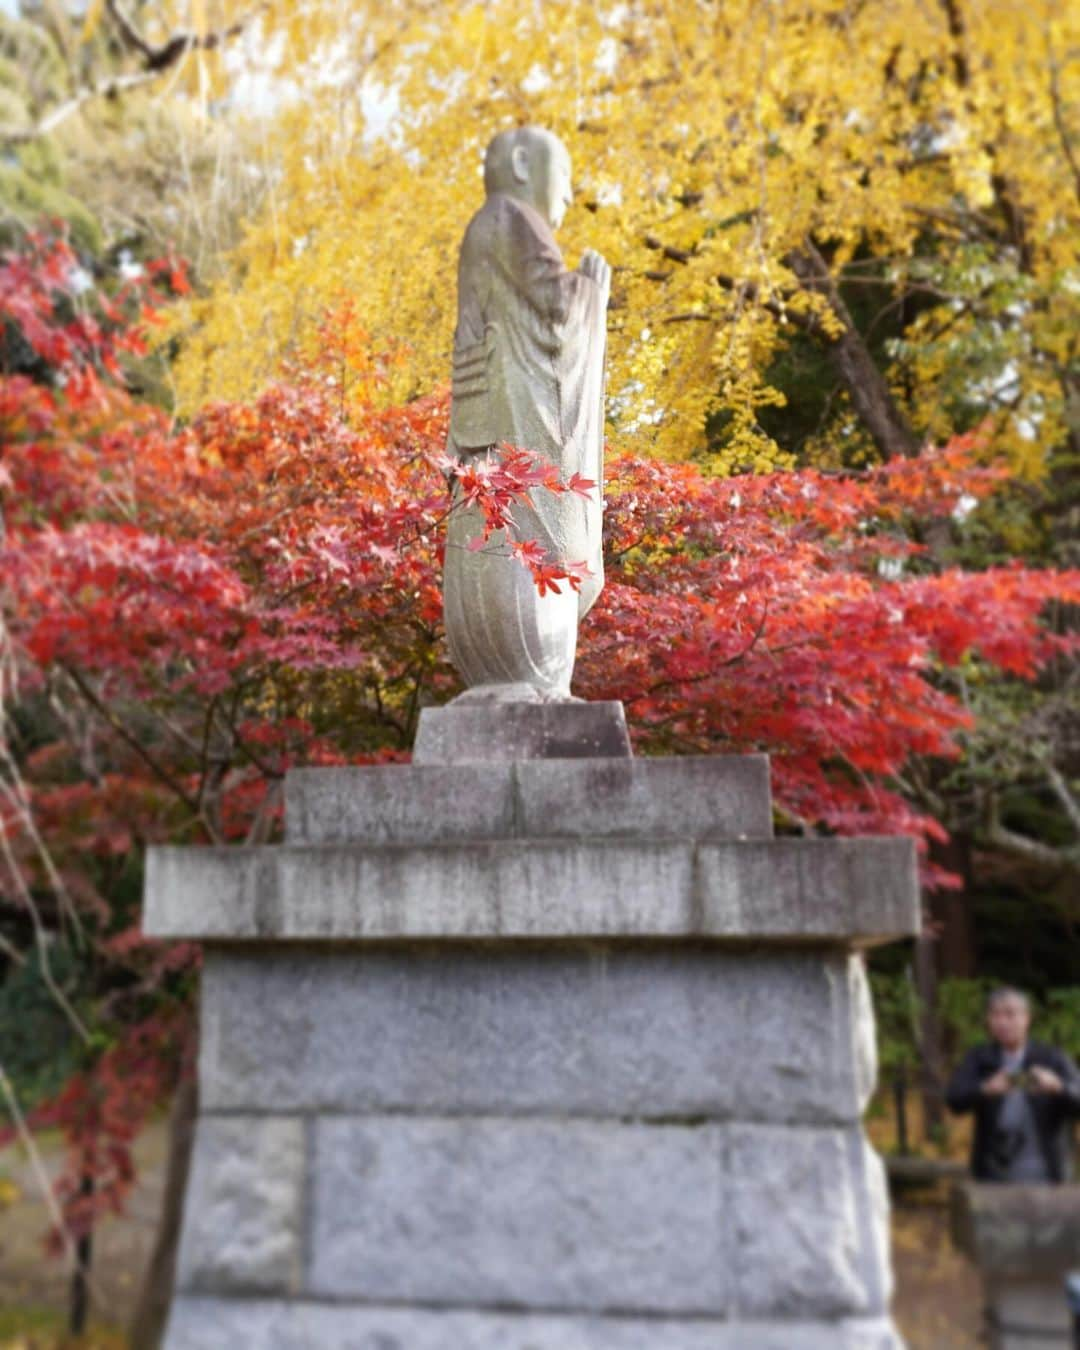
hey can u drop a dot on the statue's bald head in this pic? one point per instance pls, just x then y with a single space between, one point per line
533 165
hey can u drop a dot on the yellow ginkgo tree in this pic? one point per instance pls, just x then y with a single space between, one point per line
837 228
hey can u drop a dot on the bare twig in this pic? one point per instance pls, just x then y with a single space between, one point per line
154 61
133 744
111 88
1064 795
166 54
26 1138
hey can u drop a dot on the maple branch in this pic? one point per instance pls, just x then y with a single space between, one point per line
263 819
12 952
998 836
41 941
382 714
204 752
133 744
240 744
679 683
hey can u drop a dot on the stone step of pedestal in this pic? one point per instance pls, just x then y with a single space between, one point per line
724 796
688 1219
838 892
465 732
625 1032
227 1324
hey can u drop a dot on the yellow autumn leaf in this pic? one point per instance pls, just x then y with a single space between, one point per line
94 13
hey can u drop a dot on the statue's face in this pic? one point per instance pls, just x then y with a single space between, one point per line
551 182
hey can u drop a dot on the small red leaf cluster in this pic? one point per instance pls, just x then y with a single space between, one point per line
794 613
494 483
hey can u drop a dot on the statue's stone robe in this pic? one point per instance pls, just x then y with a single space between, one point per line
529 371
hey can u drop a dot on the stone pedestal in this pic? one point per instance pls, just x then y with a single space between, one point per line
1025 1240
549 1054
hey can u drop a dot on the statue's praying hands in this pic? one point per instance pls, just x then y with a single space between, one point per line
594 267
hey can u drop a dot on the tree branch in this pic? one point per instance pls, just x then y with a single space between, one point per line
133 744
1063 793
111 88
1060 125
154 60
870 394
997 836
157 59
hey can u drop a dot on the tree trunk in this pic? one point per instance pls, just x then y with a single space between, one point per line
155 1295
856 368
84 1256
931 1051
952 910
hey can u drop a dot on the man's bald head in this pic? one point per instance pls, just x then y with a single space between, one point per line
533 165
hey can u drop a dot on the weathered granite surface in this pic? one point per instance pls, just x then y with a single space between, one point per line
244 1211
1024 1241
466 733
1018 1230
718 796
220 1324
581 1066
828 891
641 1032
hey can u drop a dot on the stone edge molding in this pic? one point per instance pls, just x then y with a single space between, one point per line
826 891
221 1324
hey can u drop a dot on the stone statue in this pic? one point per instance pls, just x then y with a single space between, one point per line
528 370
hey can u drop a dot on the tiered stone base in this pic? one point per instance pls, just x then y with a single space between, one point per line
542 1055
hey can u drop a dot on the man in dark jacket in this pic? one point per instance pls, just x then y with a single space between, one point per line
1024 1096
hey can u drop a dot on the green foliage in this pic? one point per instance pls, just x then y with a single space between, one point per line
962 1010
30 55
896 1007
24 200
32 173
26 1328
1060 1022
40 1050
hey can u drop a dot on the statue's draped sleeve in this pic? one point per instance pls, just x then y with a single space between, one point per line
529 365
528 371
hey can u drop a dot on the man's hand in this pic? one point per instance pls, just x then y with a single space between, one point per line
995 1086
595 267
1046 1080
